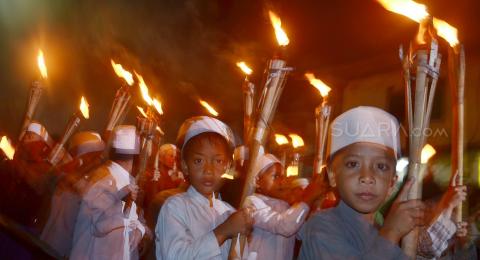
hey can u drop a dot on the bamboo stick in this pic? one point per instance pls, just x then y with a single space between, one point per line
58 150
34 98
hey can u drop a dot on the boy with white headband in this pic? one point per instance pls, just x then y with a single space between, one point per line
196 224
276 222
106 228
364 145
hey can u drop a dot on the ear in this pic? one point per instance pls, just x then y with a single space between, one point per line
184 167
331 177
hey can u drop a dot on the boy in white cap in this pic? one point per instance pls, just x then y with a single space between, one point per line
196 224
105 228
364 145
85 147
275 221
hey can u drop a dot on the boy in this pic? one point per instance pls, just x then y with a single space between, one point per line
363 149
105 229
196 224
276 222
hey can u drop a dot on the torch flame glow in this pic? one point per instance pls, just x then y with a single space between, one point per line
408 8
140 109
318 84
243 66
292 171
7 147
227 176
282 37
84 108
281 139
207 106
446 31
427 152
41 64
158 106
297 141
144 89
122 73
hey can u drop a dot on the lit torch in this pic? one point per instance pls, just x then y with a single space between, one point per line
208 107
280 34
248 89
282 143
35 94
294 168
427 152
7 148
58 152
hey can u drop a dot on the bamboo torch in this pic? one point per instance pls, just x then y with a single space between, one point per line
276 75
58 150
322 121
248 89
297 143
35 94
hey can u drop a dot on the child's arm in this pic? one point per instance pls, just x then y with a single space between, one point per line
283 223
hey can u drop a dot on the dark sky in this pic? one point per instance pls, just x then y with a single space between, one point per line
188 49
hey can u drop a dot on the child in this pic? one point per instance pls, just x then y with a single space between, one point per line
196 224
276 222
363 149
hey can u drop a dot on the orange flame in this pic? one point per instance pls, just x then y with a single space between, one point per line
427 152
297 141
142 111
318 84
209 108
292 170
144 90
282 37
122 73
243 66
158 106
84 108
7 147
281 139
41 64
228 175
446 31
160 130
408 8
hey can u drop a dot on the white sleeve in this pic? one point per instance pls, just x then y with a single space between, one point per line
284 223
173 239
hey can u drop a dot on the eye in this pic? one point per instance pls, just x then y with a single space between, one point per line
197 161
219 161
352 164
383 167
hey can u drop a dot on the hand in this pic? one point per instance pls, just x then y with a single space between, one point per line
452 198
134 239
403 216
239 222
131 189
462 229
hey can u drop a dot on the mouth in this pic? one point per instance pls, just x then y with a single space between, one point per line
366 196
208 183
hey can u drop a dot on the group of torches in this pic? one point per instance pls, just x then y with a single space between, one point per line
421 68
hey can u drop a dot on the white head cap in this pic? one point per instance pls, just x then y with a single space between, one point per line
300 182
40 130
85 142
364 124
263 162
126 140
166 147
203 124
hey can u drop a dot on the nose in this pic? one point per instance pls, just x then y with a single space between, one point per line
366 176
208 169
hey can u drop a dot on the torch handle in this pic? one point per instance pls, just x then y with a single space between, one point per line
73 124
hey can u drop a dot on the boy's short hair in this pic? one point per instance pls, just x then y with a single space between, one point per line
364 124
210 137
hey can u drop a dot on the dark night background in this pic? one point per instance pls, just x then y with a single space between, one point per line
188 49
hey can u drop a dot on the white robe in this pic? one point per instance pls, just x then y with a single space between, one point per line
276 224
185 227
101 230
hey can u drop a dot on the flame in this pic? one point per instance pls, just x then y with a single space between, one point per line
282 37
41 64
292 170
160 130
142 111
158 106
243 66
427 152
122 73
297 141
84 108
408 8
227 176
446 31
207 106
144 89
281 139
318 84
7 148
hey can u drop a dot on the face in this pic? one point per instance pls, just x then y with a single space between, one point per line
168 158
270 181
206 161
364 175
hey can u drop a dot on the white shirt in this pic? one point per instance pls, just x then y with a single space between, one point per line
276 223
185 227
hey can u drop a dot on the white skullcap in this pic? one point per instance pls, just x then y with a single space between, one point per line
364 124
263 162
300 182
126 140
40 130
204 124
166 147
85 142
